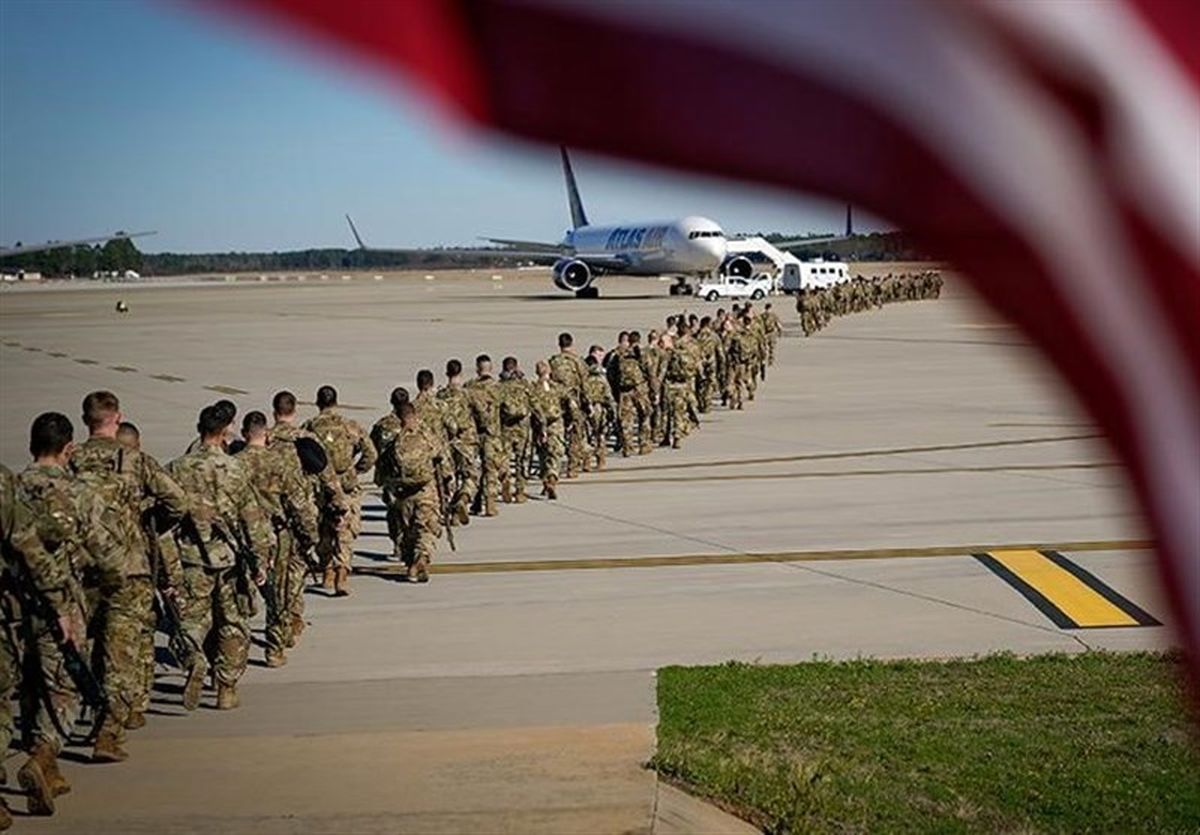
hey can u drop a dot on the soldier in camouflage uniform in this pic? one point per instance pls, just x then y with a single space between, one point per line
463 440
774 330
325 488
654 370
125 481
383 433
71 527
483 397
515 411
351 453
220 563
415 455
706 377
569 370
227 410
288 503
633 402
602 411
546 397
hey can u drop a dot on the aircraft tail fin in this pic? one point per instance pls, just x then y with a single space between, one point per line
578 215
354 231
849 221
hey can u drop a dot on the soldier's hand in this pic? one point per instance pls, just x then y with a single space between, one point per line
171 594
260 579
70 632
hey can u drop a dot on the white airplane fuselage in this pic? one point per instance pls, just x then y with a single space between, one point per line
684 246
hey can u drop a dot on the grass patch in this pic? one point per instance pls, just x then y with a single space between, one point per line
1099 742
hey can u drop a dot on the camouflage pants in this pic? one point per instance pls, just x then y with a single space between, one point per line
771 342
634 407
679 402
550 448
127 647
749 374
575 428
492 460
466 469
393 523
10 678
736 388
336 548
598 435
60 692
516 453
284 592
209 607
706 384
420 526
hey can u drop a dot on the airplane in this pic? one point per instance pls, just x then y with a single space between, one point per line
685 247
21 249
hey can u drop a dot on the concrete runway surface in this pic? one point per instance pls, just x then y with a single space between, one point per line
849 511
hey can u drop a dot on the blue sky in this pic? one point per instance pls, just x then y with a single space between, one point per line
151 115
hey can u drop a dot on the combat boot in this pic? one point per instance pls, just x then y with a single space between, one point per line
58 783
193 687
227 697
341 583
298 627
506 494
34 781
489 506
520 498
136 720
551 488
327 578
276 658
108 743
5 816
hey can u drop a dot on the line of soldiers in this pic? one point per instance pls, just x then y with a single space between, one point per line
817 306
463 449
103 545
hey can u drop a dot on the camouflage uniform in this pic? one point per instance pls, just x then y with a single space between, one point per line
326 492
414 470
515 410
546 399
383 434
654 367
483 396
774 330
567 369
680 374
602 410
706 379
288 503
71 527
125 481
351 453
464 445
633 403
219 565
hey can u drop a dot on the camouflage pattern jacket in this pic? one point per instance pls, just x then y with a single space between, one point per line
570 371
326 487
124 480
219 486
457 409
546 400
22 551
285 496
350 450
484 398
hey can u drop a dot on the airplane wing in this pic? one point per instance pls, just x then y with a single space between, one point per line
534 246
800 243
21 249
535 251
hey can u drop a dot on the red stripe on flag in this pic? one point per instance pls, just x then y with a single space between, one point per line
1176 24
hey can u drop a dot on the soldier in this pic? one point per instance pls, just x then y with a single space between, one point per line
569 370
383 433
288 503
633 402
612 364
483 397
546 398
351 454
774 330
125 481
415 455
463 440
654 367
219 562
602 410
286 436
227 411
71 528
129 436
515 411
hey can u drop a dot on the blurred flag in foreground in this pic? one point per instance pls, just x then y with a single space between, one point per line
1051 150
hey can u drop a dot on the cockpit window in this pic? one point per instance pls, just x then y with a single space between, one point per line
706 234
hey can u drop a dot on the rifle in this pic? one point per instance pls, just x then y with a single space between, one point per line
444 506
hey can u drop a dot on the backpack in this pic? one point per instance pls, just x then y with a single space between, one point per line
339 445
411 465
629 372
514 404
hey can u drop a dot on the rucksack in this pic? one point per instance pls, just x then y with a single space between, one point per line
411 466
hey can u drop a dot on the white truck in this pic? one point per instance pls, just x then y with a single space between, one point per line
812 274
736 287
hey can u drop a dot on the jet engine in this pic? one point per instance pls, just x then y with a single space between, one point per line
572 274
738 266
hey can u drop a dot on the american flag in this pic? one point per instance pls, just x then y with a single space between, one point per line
1050 149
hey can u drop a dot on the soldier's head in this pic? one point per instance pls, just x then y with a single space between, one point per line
634 338
102 413
483 365
326 397
543 370
228 409
706 322
453 370
284 406
51 438
623 339
407 414
129 436
767 307
254 428
592 362
682 328
424 380
597 351
565 341
510 366
400 397
666 341
721 314
211 425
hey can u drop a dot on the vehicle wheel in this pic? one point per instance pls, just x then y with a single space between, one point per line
712 295
674 290
588 293
757 295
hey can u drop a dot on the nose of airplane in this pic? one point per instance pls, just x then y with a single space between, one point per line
710 252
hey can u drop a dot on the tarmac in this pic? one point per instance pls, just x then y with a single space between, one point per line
911 482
